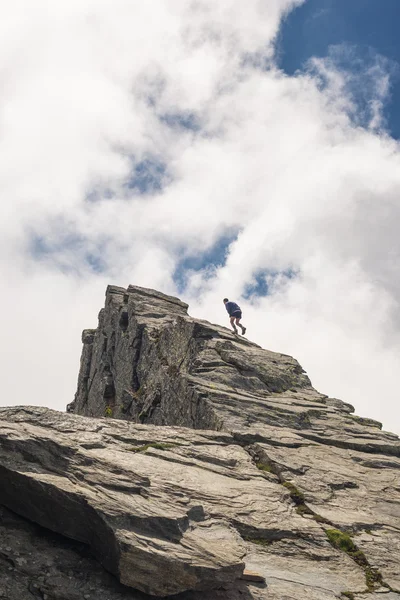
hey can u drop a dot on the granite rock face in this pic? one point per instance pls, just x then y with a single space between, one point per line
205 459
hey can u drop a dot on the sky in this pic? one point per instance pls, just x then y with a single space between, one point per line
247 150
368 28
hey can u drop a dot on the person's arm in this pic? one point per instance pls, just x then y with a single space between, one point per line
228 307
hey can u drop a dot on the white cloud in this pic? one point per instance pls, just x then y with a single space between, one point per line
92 91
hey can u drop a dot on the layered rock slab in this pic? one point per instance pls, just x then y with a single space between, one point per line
164 509
95 483
148 361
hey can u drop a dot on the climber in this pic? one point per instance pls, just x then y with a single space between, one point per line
235 314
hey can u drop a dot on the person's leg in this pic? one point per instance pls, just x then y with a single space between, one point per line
232 320
242 327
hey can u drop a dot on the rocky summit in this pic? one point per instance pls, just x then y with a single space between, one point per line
194 464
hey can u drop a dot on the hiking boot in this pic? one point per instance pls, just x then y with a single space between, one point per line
235 331
243 330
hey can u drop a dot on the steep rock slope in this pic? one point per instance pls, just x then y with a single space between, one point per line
230 461
148 361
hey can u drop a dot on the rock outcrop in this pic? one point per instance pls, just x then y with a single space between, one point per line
205 459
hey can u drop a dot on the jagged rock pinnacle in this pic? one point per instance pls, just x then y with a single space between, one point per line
148 361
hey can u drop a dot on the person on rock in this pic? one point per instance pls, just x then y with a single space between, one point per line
235 314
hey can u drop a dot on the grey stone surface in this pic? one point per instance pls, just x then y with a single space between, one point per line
36 563
164 509
167 368
221 456
149 361
383 594
137 510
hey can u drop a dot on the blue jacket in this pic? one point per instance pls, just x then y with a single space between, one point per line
231 307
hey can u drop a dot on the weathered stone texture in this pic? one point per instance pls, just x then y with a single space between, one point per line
223 457
150 362
137 510
36 563
164 509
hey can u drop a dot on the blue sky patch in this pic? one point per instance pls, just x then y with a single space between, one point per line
96 194
95 262
211 258
371 26
187 121
148 176
263 280
258 287
68 254
365 74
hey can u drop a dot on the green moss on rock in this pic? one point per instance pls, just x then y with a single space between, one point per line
373 578
258 541
302 509
264 467
295 494
343 542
